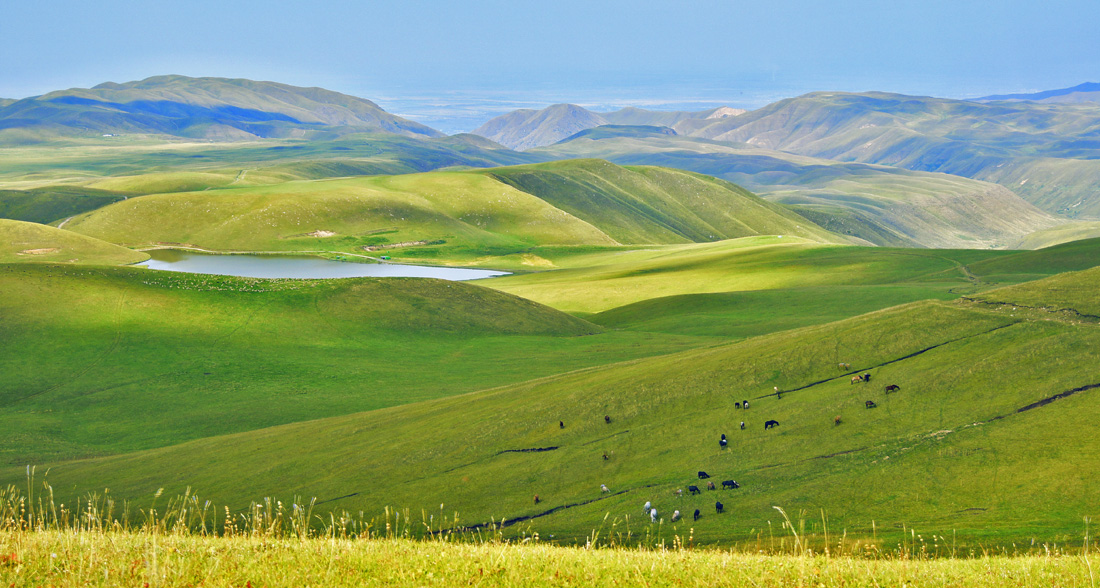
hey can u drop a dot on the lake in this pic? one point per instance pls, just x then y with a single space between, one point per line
275 266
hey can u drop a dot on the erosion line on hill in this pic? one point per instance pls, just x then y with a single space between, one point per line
826 456
1047 309
1058 396
605 438
337 498
902 358
530 449
509 522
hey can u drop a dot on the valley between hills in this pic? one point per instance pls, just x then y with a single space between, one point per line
665 270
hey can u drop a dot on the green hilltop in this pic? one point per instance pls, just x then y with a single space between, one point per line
25 242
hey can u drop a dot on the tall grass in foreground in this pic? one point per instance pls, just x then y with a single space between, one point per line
190 542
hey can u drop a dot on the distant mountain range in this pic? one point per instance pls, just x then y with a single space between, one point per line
1087 92
870 165
1048 153
527 129
200 108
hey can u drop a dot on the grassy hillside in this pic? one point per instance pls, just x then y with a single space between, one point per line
1060 234
600 281
455 210
469 217
642 205
23 242
48 204
202 108
105 360
879 204
944 456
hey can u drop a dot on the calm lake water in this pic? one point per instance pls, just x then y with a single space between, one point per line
272 266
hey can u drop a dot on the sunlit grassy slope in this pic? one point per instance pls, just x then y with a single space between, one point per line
600 281
44 205
991 436
655 205
464 210
103 360
31 242
1060 234
453 215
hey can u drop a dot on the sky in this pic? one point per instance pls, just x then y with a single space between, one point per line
467 58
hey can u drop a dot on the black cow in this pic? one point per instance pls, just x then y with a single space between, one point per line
718 507
693 489
870 404
696 514
867 377
891 388
607 419
770 424
742 425
703 475
737 405
722 442
745 404
730 484
561 424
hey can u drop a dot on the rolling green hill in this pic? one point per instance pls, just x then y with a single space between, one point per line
600 281
458 210
641 205
987 442
106 360
472 217
24 242
1064 233
52 203
201 108
879 204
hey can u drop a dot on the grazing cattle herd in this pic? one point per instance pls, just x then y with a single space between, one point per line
723 443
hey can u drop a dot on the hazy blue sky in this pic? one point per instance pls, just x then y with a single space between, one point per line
592 50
